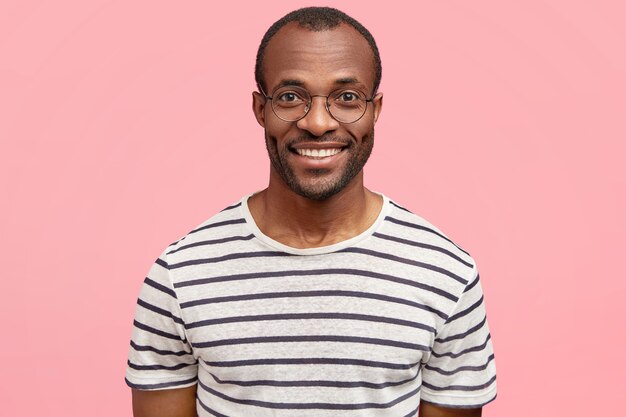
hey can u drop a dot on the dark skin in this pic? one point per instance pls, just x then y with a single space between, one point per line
165 403
431 410
320 62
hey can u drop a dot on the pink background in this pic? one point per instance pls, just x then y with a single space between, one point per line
124 124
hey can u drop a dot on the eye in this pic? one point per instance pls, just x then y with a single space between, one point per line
289 97
348 96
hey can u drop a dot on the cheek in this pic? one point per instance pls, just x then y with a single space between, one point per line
277 129
362 130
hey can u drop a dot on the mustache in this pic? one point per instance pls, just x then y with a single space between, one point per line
320 139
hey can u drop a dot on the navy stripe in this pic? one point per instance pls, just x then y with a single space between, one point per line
161 385
218 224
395 258
463 352
337 271
212 242
159 287
413 413
460 387
332 384
422 245
310 316
161 262
209 410
159 367
142 348
311 338
467 310
156 331
158 310
464 334
424 228
243 255
307 406
310 361
231 207
461 368
400 207
299 294
473 284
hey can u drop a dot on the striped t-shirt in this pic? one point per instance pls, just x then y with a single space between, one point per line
365 327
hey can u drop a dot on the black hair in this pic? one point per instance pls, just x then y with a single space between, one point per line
316 19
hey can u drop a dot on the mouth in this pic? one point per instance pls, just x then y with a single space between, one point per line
317 153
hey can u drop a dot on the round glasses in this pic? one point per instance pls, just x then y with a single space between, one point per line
291 104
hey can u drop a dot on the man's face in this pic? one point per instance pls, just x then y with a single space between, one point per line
320 62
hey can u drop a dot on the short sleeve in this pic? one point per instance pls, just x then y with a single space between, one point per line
461 370
160 356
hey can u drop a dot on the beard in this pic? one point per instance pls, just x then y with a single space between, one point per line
320 183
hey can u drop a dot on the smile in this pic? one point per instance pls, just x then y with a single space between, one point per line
318 153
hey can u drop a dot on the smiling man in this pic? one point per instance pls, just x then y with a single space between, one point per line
315 296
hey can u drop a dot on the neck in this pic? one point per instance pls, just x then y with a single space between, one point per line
300 222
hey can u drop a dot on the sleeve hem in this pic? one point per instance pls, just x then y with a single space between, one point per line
459 401
150 385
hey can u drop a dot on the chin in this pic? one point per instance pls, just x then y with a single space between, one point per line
320 191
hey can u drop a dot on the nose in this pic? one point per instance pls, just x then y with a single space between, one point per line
318 120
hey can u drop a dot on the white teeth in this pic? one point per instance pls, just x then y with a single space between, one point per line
318 153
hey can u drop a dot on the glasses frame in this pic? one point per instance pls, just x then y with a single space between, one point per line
310 103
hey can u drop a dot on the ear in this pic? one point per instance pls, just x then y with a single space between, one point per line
258 107
377 102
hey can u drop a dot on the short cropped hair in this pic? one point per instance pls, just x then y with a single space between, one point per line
316 19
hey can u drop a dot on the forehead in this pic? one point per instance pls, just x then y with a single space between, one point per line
318 60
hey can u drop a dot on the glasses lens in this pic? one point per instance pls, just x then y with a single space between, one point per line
347 106
290 103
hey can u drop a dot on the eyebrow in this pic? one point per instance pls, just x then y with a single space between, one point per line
347 80
352 81
299 83
290 82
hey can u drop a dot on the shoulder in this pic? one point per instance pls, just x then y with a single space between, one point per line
438 261
227 225
401 224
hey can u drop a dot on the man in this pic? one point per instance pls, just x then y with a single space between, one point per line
315 296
